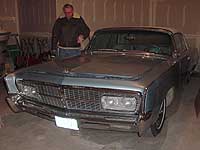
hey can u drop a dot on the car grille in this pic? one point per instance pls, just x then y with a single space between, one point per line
82 98
50 94
70 97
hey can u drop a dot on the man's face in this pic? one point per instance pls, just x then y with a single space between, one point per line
68 12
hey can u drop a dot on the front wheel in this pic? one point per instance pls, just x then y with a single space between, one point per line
156 127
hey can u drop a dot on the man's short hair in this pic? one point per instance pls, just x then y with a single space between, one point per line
68 6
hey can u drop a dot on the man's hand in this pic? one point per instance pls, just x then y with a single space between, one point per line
80 39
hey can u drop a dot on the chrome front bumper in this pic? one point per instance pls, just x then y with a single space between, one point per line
94 120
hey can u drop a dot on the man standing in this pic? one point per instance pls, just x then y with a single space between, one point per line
69 31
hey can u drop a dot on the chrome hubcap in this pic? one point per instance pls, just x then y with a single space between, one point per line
161 116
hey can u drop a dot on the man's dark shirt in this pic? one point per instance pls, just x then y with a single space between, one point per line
66 32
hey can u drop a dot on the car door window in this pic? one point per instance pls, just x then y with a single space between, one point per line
180 42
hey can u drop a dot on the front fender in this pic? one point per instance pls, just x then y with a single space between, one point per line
154 95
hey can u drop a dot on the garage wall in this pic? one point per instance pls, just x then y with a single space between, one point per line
39 15
8 15
179 14
105 13
36 15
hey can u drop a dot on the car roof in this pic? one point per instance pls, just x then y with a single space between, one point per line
141 28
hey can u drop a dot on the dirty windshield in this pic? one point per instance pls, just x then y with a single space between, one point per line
147 41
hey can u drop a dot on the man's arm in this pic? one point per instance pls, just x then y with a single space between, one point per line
55 34
85 30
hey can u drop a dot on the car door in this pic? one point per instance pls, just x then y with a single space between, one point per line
182 54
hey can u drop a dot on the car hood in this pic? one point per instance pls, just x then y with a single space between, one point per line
109 66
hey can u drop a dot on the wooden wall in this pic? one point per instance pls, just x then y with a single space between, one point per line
36 15
180 14
39 15
107 13
8 15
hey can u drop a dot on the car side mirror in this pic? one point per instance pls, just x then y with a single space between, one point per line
176 54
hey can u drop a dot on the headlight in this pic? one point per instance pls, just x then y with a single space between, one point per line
119 103
29 91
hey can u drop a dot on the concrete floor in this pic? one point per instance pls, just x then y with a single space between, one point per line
181 130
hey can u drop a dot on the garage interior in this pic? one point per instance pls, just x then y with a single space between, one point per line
34 19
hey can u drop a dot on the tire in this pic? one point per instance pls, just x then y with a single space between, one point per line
156 127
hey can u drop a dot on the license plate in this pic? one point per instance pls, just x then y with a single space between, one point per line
67 123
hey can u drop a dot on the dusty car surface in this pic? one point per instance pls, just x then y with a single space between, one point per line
124 80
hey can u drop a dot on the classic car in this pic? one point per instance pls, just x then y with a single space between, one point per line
125 79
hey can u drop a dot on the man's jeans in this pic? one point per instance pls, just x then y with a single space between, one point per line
64 52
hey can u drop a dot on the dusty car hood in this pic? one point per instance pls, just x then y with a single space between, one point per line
101 66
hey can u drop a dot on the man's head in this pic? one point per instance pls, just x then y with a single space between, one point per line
68 10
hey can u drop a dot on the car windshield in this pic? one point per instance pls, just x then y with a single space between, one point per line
147 41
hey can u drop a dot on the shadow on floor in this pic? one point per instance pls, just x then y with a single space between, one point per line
114 140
